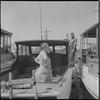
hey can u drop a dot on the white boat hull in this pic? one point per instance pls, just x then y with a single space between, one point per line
60 90
91 82
66 91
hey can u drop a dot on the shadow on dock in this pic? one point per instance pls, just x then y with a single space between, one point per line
78 90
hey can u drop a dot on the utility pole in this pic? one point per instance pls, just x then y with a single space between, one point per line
46 34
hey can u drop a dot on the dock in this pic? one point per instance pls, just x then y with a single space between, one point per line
78 90
77 85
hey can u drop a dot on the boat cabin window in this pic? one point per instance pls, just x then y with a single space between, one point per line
5 42
60 49
36 49
89 48
8 41
23 50
1 42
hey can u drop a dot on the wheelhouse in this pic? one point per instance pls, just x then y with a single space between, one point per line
89 49
26 50
5 41
7 56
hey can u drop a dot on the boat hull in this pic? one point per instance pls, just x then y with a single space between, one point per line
59 90
66 91
91 82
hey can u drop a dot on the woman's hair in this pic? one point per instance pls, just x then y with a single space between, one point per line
72 33
44 45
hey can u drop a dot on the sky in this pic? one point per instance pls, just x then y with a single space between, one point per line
22 18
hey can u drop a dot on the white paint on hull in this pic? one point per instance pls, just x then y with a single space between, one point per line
57 91
65 92
91 82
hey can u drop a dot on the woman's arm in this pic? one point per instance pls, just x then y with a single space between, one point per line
37 58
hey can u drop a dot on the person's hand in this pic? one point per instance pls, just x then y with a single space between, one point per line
45 65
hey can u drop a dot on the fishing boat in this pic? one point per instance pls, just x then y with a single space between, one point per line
88 63
20 82
7 57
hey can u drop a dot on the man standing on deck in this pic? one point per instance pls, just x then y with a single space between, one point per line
73 44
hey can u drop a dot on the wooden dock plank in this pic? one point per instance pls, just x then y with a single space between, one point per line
79 89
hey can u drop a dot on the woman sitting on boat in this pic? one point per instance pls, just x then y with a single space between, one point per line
43 73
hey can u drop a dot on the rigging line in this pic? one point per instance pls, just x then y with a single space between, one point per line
40 21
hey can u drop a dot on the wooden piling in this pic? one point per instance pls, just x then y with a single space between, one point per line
10 87
33 76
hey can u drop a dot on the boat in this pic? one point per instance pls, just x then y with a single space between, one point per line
88 62
19 81
7 57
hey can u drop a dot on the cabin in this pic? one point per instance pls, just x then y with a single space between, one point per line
89 63
26 50
6 51
89 49
22 72
89 44
5 41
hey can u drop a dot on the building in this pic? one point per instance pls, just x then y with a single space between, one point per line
5 41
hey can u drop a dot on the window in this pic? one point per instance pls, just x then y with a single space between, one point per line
8 41
1 41
23 50
27 50
19 49
88 48
60 49
36 49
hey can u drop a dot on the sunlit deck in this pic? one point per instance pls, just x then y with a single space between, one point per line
54 89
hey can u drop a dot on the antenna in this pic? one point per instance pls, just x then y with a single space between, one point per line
40 21
46 34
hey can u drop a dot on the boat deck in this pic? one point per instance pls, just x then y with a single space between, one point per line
78 90
43 89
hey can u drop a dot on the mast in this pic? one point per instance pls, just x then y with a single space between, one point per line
40 20
46 34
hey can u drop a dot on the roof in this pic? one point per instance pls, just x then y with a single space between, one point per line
38 42
90 32
5 32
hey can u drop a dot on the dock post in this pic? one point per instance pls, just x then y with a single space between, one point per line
10 87
33 76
